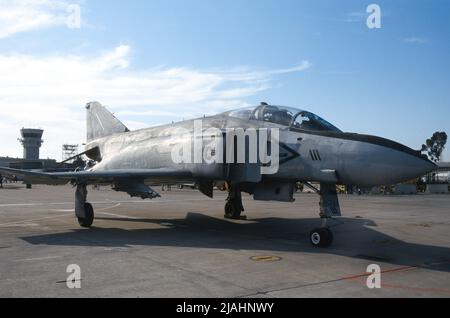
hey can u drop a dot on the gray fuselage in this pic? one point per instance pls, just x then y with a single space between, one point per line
305 155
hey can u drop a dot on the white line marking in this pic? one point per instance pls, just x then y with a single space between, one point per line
31 220
34 204
102 202
120 216
102 209
109 208
37 259
22 225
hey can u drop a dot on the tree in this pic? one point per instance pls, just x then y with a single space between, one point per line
435 145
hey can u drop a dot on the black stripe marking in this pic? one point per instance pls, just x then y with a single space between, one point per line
318 155
292 154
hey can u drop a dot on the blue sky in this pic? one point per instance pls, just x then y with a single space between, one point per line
168 60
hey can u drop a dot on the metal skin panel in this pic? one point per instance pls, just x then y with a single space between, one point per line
354 162
152 149
101 123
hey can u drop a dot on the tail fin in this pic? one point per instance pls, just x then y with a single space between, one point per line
101 122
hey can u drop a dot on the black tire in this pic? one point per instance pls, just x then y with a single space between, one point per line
322 237
231 212
89 219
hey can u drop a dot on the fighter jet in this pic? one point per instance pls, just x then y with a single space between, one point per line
280 147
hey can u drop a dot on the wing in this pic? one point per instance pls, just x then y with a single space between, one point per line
148 176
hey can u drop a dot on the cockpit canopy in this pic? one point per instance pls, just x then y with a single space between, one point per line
285 116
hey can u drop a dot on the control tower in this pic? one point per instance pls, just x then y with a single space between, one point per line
31 141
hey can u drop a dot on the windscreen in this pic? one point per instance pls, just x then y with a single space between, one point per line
309 121
285 116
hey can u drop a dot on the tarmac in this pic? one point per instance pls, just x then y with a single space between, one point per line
181 246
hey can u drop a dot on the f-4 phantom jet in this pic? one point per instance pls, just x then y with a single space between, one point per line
263 151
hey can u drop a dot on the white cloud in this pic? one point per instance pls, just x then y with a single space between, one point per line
356 17
415 40
50 92
18 16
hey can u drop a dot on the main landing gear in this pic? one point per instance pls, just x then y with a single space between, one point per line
83 210
234 207
329 208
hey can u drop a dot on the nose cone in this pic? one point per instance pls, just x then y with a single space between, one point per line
380 161
389 166
408 166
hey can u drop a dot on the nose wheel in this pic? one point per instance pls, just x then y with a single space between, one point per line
329 208
321 237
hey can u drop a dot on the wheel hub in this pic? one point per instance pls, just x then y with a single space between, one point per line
315 238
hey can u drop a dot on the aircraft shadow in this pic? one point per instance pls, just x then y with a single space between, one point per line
355 238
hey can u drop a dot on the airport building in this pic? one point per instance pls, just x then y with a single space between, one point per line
31 140
20 163
441 175
438 181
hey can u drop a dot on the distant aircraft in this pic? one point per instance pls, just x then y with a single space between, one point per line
302 148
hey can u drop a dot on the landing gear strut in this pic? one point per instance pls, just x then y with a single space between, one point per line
234 207
83 210
329 208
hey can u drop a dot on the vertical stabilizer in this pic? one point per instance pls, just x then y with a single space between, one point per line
101 122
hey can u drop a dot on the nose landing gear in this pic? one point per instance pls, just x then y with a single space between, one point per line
329 208
321 237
